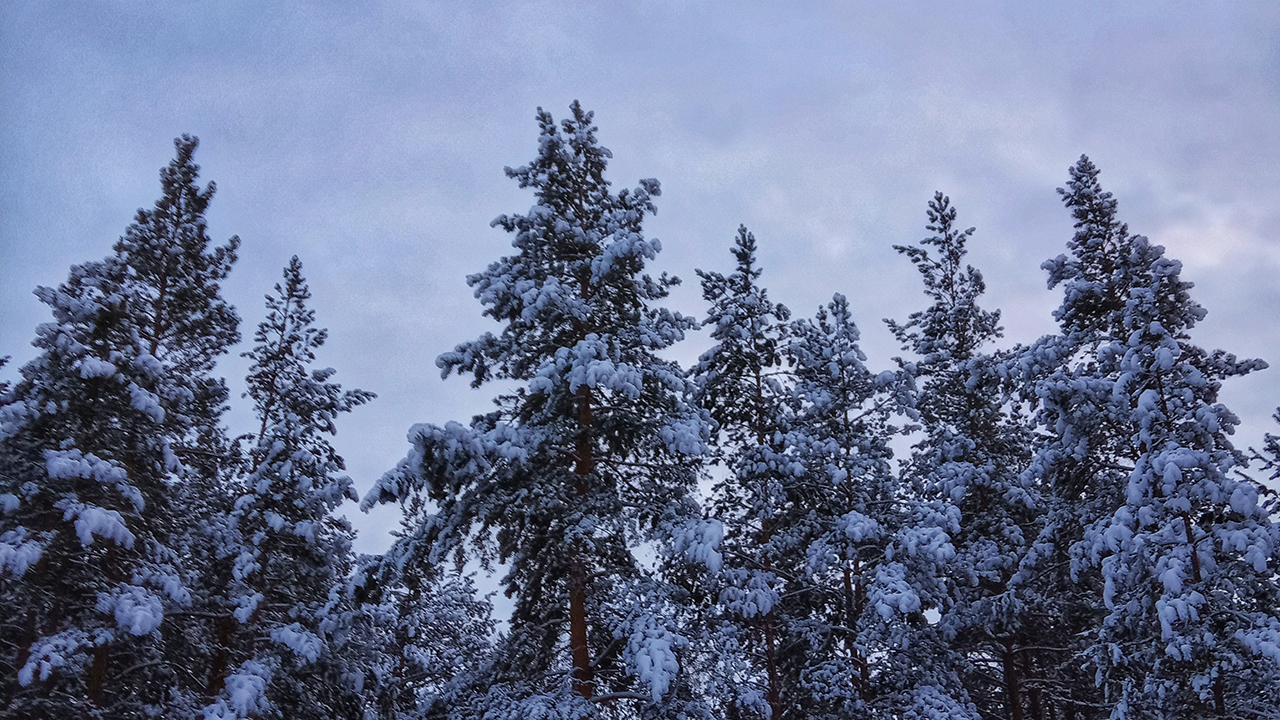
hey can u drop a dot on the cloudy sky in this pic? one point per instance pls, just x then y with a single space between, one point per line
370 138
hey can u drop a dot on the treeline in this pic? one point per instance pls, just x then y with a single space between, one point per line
1072 537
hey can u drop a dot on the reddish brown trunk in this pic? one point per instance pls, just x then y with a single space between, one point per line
221 656
1011 682
585 460
852 602
1219 699
29 639
578 638
771 661
158 326
774 697
1191 540
849 618
97 675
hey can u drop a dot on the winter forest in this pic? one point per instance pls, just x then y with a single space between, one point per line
1060 530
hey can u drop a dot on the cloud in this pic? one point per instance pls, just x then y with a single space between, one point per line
370 140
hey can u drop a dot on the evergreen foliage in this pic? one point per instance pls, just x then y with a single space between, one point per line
594 454
739 384
112 422
1172 561
968 465
290 556
1073 536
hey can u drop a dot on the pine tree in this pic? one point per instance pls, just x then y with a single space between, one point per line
1172 556
593 453
111 421
293 555
739 384
421 634
970 462
1269 459
874 552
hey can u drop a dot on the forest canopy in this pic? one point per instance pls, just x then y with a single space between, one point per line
1059 530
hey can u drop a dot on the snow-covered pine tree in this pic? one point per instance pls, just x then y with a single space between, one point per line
1172 554
874 554
116 415
592 455
292 555
739 384
1269 459
422 632
738 377
1073 466
971 457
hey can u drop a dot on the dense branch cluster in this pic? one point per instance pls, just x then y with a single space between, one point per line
1066 532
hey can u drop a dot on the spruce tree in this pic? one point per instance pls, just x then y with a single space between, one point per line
292 554
593 453
109 424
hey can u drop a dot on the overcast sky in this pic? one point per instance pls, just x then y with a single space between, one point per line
370 138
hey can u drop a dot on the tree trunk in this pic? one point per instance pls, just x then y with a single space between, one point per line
1033 692
853 603
578 638
97 675
1011 681
221 656
157 326
771 660
1191 540
771 647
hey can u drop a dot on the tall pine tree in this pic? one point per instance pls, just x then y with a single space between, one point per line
870 556
1173 557
117 415
739 383
971 459
593 454
292 555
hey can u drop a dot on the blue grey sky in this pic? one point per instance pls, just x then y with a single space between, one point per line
369 139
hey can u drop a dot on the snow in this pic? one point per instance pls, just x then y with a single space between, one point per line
699 542
652 658
244 693
891 593
304 644
246 605
92 367
858 527
137 610
932 703
17 552
146 402
92 520
68 464
750 593
50 653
